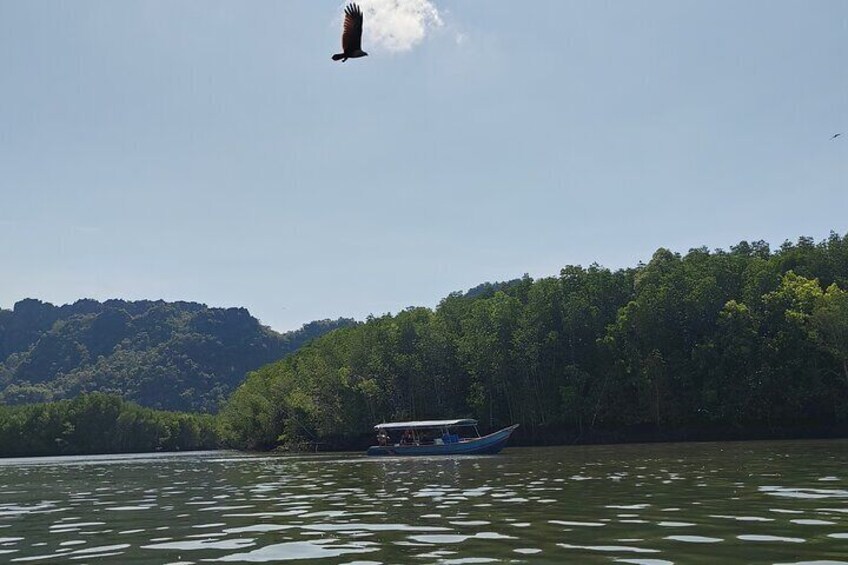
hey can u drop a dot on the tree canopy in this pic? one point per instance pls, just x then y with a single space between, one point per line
748 338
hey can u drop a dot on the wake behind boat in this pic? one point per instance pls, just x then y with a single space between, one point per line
437 437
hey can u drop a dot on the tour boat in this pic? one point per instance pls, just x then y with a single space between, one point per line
437 437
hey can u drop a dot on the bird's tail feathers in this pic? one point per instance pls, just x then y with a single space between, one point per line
338 56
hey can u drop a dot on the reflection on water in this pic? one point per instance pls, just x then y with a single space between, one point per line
759 502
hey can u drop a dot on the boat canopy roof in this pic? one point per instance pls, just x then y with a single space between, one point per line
425 424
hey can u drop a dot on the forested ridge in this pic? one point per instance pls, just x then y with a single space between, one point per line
711 341
165 355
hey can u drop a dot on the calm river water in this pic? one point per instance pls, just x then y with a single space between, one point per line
757 502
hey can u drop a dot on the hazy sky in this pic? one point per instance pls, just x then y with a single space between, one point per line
211 151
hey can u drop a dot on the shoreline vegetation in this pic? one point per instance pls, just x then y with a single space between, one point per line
100 423
743 344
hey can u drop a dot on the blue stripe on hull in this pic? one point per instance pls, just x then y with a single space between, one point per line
486 445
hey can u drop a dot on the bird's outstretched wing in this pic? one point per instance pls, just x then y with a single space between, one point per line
352 34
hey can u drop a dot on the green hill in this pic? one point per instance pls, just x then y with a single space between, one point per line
164 355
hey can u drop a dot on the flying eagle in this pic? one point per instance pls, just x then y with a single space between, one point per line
835 135
351 35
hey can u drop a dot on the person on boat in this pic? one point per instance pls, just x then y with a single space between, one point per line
382 437
406 439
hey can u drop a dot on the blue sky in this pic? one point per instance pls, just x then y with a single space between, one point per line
211 151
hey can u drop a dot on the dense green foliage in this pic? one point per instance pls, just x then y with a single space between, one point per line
174 356
739 339
100 423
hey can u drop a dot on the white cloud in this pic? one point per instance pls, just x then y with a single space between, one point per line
397 25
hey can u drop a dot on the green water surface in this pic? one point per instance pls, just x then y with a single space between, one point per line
755 502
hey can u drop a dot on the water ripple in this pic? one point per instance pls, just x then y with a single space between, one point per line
289 551
757 537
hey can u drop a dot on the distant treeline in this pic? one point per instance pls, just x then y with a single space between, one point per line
745 339
100 423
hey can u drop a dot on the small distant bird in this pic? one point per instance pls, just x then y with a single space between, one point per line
835 135
351 35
